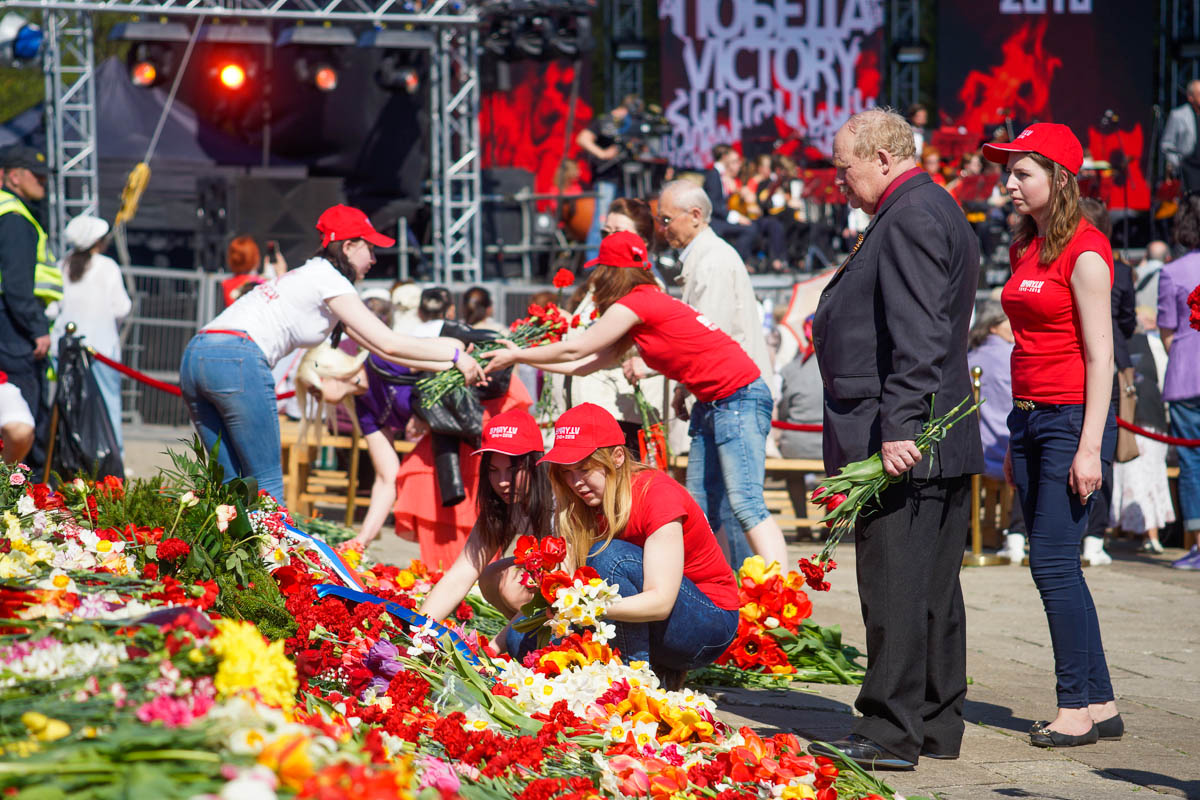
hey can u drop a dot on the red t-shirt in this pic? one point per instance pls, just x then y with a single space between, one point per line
678 341
1047 361
657 500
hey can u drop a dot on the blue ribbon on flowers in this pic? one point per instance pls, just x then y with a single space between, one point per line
401 613
329 556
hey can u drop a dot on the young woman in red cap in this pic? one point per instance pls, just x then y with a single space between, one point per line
642 532
1058 302
226 370
514 499
732 416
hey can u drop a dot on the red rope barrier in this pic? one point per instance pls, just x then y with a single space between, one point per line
142 377
796 426
1158 437
169 388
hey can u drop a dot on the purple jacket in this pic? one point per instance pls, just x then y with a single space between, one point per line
1175 282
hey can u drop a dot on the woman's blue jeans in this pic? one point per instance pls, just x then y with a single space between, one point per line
1043 446
727 461
108 380
694 634
230 395
1185 423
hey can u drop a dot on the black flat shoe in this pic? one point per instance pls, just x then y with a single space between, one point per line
861 751
1044 737
939 756
1111 729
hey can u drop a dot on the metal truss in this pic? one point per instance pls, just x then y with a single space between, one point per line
69 65
905 17
1179 23
70 120
623 24
457 235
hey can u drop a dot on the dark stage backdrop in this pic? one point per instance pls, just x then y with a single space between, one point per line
1085 63
766 73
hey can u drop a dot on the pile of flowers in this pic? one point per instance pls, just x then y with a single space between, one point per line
196 649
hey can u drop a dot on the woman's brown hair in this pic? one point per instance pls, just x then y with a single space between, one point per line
1061 222
638 211
578 522
610 284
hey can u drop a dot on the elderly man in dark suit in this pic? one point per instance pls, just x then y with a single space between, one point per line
891 338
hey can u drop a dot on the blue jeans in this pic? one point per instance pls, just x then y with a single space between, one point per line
1185 422
1043 446
230 395
109 382
694 634
727 461
606 191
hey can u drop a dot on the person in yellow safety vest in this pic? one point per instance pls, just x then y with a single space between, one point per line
29 279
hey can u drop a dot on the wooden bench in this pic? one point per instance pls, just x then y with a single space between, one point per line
779 502
305 486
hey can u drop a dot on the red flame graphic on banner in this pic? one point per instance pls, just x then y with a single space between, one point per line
1017 87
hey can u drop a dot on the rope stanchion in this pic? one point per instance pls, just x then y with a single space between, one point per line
796 426
1158 437
142 377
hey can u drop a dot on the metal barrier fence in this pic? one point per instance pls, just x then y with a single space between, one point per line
170 306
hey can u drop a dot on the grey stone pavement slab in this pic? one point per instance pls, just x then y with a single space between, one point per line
1150 621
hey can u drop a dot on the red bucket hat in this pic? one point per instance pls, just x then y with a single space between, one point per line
1055 142
513 433
622 249
340 223
581 431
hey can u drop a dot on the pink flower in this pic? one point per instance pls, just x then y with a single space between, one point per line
16 479
438 774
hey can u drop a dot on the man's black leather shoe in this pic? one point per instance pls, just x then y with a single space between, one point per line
861 751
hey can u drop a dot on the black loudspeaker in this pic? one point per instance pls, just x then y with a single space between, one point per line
212 222
283 210
501 221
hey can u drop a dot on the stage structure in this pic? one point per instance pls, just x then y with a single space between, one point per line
69 65
1178 50
908 52
626 50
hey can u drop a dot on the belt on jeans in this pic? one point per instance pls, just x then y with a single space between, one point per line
241 334
1034 405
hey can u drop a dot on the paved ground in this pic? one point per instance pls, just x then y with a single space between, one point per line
1150 618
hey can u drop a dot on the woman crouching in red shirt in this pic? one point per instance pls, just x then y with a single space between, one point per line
732 416
1058 301
643 533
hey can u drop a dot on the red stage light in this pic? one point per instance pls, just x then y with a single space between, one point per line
325 79
232 76
143 73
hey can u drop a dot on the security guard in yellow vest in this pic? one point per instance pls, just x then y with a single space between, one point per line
29 280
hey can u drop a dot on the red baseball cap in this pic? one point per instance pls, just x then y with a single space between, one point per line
582 430
1055 142
513 433
340 223
622 249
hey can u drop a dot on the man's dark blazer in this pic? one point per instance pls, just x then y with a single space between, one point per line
891 333
715 189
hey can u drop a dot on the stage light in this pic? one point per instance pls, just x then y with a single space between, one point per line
232 76
325 78
910 53
530 40
396 73
19 40
143 74
629 51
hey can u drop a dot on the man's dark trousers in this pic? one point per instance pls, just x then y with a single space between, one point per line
912 699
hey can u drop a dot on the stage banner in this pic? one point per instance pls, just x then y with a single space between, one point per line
1085 63
528 121
765 74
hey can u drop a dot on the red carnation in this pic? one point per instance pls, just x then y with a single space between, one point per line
1194 305
563 278
173 549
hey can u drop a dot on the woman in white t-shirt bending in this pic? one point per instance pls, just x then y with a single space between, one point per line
226 369
94 298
